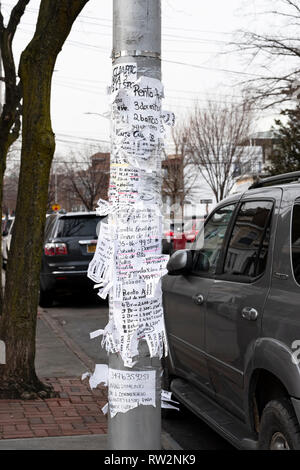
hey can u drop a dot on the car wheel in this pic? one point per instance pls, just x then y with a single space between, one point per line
46 298
279 428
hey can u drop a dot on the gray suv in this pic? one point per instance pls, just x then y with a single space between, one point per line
69 246
232 312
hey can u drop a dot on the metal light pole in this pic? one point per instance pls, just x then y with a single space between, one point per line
137 38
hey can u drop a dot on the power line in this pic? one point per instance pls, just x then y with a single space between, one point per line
167 37
211 68
173 90
186 64
97 21
82 138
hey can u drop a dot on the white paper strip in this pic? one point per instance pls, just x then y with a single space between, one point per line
164 404
101 265
104 409
165 395
103 292
99 376
96 333
85 375
166 401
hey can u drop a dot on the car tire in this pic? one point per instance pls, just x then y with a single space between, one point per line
279 428
46 298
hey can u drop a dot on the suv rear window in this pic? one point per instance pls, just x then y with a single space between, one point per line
296 242
78 226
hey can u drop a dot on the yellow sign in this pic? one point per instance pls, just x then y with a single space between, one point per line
55 207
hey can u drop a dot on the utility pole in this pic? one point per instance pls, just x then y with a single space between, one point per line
55 185
137 39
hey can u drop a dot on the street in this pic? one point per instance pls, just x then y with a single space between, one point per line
72 318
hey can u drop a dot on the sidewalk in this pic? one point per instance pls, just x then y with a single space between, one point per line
74 420
76 412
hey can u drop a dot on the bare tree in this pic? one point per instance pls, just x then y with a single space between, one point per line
178 180
55 186
18 320
216 138
10 113
87 177
11 181
10 188
277 84
11 178
51 191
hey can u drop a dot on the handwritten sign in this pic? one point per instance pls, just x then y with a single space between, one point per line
128 263
128 389
101 265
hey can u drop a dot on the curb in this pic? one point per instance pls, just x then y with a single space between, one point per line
82 442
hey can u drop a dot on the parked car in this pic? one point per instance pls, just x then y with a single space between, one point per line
181 235
69 245
232 318
7 227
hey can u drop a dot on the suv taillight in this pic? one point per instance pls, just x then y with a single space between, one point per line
55 249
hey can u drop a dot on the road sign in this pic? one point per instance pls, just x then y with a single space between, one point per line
205 201
55 207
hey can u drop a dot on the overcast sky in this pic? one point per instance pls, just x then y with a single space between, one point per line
195 65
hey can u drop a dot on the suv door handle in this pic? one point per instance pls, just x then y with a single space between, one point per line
198 299
249 313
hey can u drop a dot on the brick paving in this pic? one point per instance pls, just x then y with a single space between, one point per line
77 411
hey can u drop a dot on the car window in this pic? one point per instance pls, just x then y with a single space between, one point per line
213 238
248 246
192 224
50 221
296 242
78 226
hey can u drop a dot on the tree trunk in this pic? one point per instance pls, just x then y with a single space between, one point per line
10 115
18 327
8 135
3 153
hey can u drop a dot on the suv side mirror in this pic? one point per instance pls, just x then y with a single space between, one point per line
180 262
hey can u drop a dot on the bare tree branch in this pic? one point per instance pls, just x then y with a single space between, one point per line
178 181
87 178
10 117
15 16
273 89
216 136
